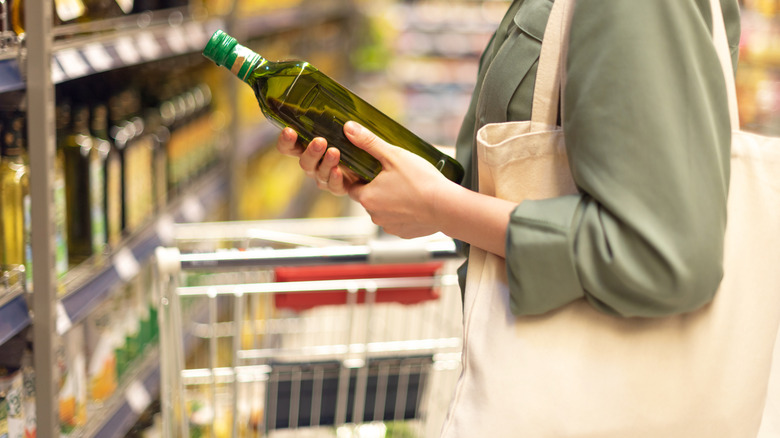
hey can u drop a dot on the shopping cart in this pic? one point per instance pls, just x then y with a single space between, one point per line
306 328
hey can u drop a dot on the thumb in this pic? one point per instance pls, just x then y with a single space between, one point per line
366 140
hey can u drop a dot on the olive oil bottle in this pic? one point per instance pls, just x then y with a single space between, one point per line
17 16
60 196
14 198
112 176
295 94
84 161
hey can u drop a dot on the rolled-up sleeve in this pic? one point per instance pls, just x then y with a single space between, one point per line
648 138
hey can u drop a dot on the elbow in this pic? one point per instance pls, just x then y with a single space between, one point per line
694 283
682 283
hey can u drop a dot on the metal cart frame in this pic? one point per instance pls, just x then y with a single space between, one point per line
327 366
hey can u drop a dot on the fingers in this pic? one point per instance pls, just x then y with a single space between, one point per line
330 160
317 160
366 140
311 157
287 143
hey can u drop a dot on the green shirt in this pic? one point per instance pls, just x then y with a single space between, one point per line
648 137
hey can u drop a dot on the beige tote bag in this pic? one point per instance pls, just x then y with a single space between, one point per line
576 372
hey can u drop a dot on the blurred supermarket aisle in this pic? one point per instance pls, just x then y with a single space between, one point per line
140 131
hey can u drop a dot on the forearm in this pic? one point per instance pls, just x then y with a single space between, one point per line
477 219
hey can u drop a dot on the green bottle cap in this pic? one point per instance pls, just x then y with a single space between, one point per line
219 48
225 51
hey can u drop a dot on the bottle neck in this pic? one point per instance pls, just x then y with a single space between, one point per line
243 61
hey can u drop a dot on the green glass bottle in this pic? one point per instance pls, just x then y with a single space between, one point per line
112 175
14 197
84 189
295 94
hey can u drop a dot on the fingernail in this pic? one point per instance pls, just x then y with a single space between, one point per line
352 128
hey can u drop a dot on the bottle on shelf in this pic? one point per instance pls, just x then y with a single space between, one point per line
11 406
129 325
14 200
142 146
60 197
112 176
28 392
72 373
101 355
118 132
84 186
295 94
159 159
16 16
136 146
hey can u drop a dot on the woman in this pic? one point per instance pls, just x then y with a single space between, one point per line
647 134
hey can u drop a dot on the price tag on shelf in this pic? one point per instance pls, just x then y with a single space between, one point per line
137 397
149 47
197 36
126 264
98 57
127 51
176 40
57 75
72 63
192 210
165 229
63 320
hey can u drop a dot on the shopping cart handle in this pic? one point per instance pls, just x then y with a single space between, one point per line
391 251
383 251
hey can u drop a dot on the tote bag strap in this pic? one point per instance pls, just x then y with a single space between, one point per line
550 74
720 39
551 70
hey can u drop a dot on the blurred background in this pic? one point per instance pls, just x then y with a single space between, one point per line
137 131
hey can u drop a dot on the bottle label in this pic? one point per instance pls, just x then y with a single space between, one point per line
114 200
145 177
28 272
244 59
97 201
28 398
69 10
125 5
15 413
130 192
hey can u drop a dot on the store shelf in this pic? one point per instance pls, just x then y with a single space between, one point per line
112 44
82 56
94 54
88 286
10 75
14 315
77 51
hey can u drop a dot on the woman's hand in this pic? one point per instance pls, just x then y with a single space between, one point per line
402 198
409 197
318 161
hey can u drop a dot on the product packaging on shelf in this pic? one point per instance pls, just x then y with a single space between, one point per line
72 370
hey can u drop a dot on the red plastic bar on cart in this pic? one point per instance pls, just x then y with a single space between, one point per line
307 300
